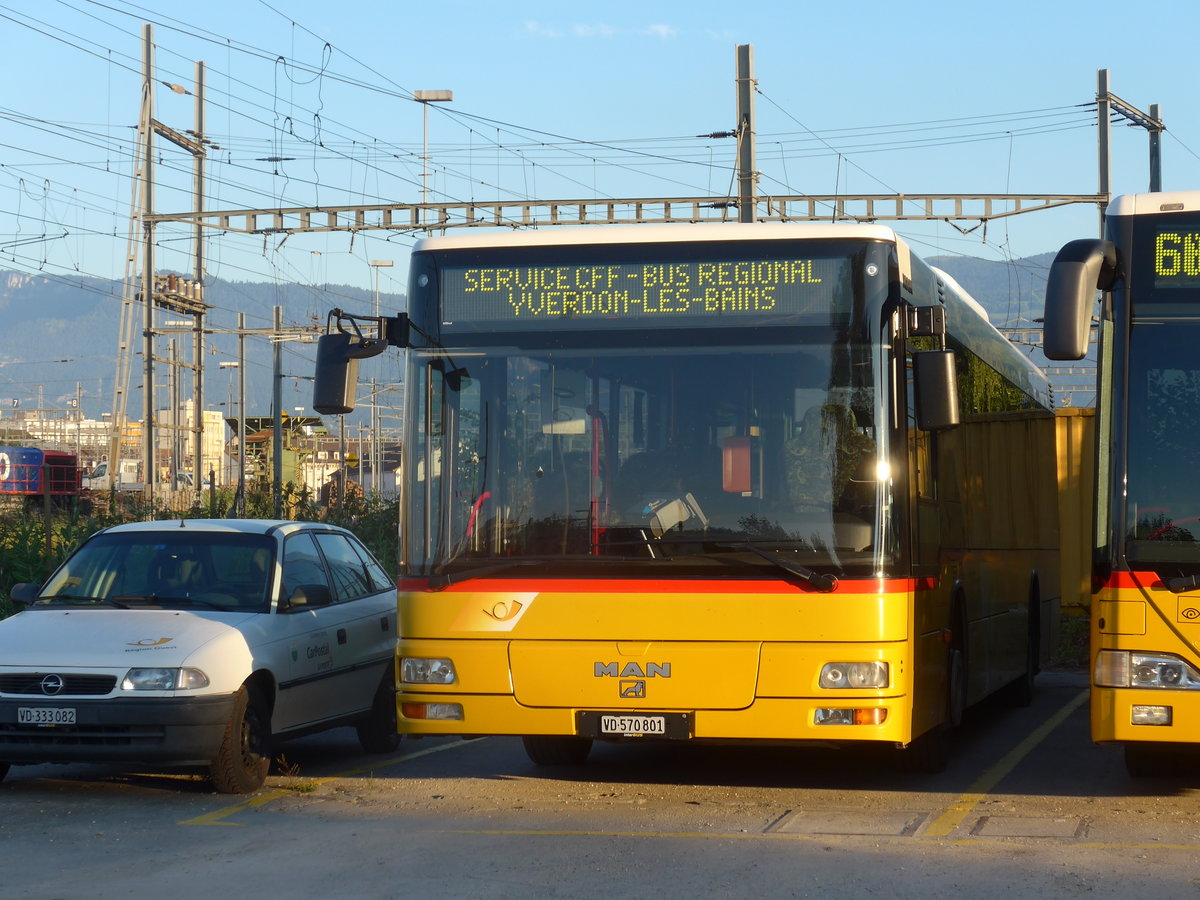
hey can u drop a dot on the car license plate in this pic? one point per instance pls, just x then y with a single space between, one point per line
45 715
629 725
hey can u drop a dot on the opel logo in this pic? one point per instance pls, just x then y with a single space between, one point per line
53 684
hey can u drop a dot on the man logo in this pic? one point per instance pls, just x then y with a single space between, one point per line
631 670
633 690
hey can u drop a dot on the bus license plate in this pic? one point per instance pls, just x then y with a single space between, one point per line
629 725
45 715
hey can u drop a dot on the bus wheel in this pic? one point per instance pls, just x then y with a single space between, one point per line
557 751
928 754
1154 761
956 688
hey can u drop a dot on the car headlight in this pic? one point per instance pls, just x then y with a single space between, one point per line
855 675
418 670
164 679
1121 668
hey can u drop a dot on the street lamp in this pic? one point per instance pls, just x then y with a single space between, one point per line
425 98
376 265
231 365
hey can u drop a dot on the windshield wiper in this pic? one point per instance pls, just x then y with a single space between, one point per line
1182 583
442 580
81 598
160 599
823 581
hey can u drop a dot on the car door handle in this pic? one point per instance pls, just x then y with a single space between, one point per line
341 635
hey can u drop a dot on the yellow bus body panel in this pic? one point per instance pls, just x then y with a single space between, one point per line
1151 619
517 676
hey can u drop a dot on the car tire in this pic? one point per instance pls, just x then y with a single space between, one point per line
242 763
557 751
377 732
3 770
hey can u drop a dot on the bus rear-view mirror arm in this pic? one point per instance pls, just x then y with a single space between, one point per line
344 343
1079 270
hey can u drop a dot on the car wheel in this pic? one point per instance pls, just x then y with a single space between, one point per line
241 764
377 732
3 770
557 751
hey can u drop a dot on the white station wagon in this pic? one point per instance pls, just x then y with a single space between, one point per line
199 643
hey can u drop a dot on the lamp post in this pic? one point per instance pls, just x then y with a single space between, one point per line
425 98
229 410
376 265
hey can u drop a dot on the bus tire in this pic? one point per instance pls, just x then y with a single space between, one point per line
1019 693
241 764
1154 761
928 754
545 750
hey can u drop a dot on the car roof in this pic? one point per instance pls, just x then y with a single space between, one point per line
223 526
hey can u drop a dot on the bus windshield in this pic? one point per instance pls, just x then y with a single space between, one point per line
677 459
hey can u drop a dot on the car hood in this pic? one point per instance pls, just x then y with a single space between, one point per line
108 637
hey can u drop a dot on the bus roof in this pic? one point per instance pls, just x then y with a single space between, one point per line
1148 204
565 236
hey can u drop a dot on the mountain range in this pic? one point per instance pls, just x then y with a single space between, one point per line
60 334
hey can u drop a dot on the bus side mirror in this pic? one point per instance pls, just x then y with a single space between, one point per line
936 389
1079 270
335 381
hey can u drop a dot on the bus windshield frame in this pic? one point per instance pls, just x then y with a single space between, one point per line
733 441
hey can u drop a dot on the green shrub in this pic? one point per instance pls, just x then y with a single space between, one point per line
25 554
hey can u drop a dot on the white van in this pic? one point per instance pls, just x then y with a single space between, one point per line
199 643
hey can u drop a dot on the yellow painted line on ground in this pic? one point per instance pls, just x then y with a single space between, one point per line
217 816
953 815
830 839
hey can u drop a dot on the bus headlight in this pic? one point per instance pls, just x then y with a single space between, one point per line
420 670
1120 668
854 675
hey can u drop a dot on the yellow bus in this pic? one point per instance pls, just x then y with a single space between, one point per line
735 483
1145 611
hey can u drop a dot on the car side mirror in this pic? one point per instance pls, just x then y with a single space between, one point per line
24 593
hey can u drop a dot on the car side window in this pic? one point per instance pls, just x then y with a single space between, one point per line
380 579
302 564
349 572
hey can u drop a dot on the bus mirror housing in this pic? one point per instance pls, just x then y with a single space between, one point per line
336 378
344 343
935 386
1079 270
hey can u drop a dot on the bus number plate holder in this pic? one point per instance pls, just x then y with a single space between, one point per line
629 724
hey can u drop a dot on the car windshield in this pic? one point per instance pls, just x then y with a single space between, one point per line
177 569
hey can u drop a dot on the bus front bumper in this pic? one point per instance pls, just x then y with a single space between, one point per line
770 719
1121 715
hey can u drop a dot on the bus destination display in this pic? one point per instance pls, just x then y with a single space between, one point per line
647 295
1177 257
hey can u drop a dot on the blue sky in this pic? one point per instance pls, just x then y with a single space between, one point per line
310 103
567 100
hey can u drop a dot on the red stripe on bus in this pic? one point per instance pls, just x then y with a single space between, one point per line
1132 580
635 586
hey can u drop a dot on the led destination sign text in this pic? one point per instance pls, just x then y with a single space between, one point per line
1177 258
644 291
